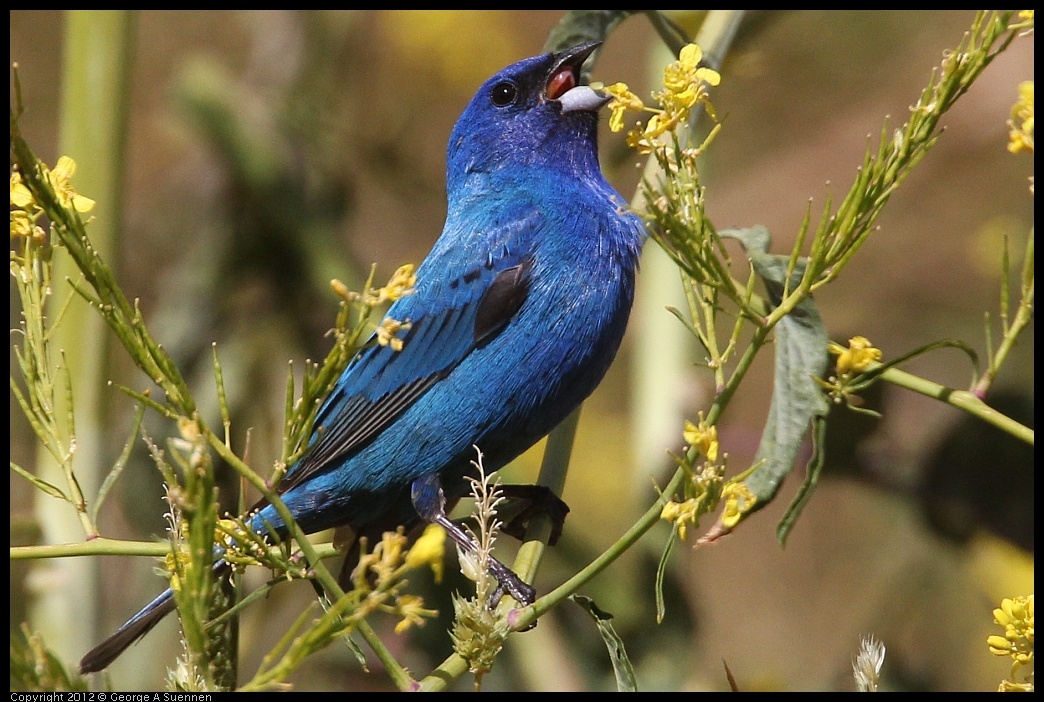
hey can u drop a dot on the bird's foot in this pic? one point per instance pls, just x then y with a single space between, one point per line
429 501
530 501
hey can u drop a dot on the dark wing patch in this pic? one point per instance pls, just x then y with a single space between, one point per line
384 383
501 301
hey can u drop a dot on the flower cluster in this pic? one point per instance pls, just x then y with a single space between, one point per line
26 210
703 438
386 333
1021 123
703 487
402 283
384 567
851 362
857 357
685 86
1016 616
245 547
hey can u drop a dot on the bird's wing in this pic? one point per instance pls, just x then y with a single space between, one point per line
448 319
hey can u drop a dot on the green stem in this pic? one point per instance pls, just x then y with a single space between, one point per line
962 399
439 679
530 614
95 547
1023 316
398 674
117 547
92 125
553 476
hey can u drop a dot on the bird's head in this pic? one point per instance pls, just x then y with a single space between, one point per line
532 113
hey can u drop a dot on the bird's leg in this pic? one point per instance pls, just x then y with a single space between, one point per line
430 503
533 500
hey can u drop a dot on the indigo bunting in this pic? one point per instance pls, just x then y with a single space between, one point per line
517 313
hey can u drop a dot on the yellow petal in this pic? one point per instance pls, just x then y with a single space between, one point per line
64 169
20 195
690 55
82 204
708 76
999 646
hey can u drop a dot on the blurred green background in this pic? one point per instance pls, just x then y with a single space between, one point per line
268 152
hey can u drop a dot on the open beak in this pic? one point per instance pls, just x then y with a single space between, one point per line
563 82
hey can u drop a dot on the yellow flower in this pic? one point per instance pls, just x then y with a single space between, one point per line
680 75
658 124
858 356
386 333
60 179
401 284
681 513
173 562
1016 616
429 550
1021 123
686 84
20 195
390 549
623 100
999 646
23 226
411 609
703 438
738 501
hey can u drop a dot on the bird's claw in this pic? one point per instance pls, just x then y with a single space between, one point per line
511 584
536 499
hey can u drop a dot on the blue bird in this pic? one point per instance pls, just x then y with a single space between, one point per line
517 313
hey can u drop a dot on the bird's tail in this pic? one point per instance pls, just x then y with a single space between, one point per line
137 626
142 623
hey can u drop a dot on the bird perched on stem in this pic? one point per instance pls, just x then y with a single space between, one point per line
517 313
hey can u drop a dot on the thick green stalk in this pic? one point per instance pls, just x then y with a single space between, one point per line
663 348
553 471
92 124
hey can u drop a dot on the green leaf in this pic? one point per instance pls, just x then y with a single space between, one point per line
815 467
661 570
582 26
42 484
801 357
121 463
625 681
356 650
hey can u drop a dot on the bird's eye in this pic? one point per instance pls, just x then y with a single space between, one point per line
504 94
